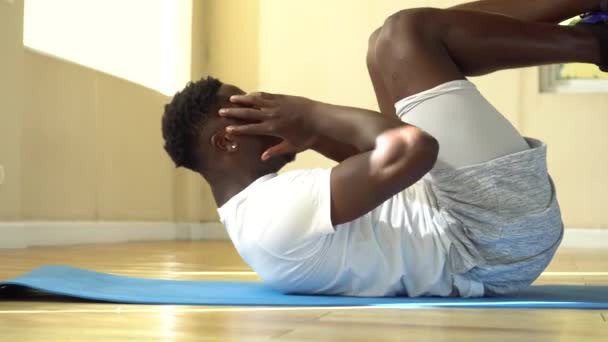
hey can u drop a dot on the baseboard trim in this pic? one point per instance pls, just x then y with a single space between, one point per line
35 233
585 238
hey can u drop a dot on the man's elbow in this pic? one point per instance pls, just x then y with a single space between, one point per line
428 148
405 154
423 149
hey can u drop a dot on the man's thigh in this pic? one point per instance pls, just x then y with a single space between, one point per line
469 129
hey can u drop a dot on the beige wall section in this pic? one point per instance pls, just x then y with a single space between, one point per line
91 144
317 49
192 198
92 148
321 54
11 100
134 173
224 45
574 126
59 140
232 34
76 144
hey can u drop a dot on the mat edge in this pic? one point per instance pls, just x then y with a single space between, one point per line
22 234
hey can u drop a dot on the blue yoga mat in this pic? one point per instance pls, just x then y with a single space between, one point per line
84 284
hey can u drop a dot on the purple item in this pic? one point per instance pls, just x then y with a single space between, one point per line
595 18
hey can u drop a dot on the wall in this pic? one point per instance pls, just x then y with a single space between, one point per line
143 41
232 35
91 144
92 148
225 46
11 98
317 49
320 53
192 199
574 127
76 144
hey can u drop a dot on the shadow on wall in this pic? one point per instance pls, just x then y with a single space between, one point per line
92 147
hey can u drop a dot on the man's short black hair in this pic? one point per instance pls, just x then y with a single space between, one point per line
184 116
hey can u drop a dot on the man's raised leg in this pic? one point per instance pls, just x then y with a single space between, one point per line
385 102
420 49
548 11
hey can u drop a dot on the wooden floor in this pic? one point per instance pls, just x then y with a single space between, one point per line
54 319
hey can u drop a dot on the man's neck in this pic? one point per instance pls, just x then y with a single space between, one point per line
226 186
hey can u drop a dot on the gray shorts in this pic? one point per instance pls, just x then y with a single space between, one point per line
504 219
491 185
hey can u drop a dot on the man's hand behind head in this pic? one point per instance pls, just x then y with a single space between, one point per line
283 116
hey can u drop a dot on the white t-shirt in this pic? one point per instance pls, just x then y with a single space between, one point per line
281 226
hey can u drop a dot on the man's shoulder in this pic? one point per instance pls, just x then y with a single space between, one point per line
291 185
302 174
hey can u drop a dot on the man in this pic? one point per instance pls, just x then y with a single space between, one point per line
436 196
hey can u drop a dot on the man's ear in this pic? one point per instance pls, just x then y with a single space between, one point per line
224 142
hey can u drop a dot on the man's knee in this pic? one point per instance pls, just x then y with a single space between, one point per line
371 49
405 30
413 18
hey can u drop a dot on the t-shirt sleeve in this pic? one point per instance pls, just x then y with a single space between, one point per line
291 213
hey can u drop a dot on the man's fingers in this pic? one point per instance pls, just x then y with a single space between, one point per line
247 114
259 100
252 129
282 148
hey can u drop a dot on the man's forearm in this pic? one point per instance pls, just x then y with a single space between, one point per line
334 150
351 126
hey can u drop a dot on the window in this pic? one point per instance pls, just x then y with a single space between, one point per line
573 78
144 41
